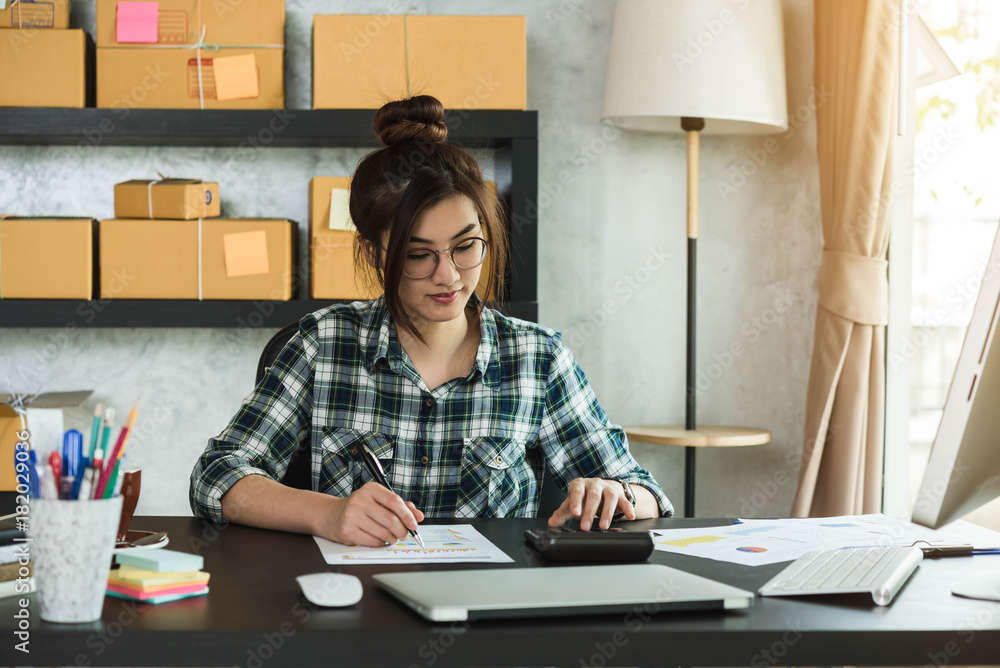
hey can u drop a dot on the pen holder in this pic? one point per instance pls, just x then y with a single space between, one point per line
71 547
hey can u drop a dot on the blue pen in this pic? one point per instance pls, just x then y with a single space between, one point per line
71 452
33 474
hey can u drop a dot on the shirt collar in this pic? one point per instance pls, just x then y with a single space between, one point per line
381 342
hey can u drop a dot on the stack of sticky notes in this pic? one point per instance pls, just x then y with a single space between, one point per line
157 576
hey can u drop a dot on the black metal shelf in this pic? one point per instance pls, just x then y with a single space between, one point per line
241 315
54 126
513 135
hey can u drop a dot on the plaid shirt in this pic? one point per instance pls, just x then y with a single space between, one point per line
472 447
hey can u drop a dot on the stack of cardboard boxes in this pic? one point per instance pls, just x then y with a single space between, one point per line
167 242
191 54
44 62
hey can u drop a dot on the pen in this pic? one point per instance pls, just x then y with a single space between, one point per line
55 466
71 451
375 469
95 430
33 474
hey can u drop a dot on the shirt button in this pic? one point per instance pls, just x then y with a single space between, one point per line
429 403
498 459
424 460
354 451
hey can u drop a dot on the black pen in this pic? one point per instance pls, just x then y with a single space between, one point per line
376 470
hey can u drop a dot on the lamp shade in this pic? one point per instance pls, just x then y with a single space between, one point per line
721 60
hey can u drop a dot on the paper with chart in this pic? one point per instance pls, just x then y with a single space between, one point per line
444 543
760 542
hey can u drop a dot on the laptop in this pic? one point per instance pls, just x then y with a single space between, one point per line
451 596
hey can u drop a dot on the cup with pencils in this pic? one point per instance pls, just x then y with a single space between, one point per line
74 519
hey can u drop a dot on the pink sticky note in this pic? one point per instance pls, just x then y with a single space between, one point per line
137 23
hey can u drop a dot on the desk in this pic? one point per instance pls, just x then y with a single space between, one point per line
254 616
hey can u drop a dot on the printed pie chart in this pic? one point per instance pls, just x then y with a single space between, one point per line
751 549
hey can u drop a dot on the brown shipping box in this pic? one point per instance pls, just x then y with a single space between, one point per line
226 22
172 199
43 68
158 259
168 78
247 258
467 62
332 268
46 258
36 14
331 252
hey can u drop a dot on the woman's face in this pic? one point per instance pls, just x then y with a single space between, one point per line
443 295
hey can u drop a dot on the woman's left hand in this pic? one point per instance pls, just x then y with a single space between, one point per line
588 496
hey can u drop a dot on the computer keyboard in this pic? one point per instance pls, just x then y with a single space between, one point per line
878 570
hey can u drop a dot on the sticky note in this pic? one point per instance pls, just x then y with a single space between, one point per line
340 212
137 23
161 561
246 253
235 77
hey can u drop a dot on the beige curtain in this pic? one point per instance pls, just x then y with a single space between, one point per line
857 62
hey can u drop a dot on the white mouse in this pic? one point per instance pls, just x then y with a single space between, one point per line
330 589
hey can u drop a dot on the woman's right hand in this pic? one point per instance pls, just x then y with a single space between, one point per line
372 516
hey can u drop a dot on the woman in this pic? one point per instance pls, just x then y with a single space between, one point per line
463 406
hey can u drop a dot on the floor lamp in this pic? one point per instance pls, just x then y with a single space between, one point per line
696 66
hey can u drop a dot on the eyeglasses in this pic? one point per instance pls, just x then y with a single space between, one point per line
422 262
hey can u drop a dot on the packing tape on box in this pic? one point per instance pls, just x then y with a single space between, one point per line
13 4
198 46
162 179
199 259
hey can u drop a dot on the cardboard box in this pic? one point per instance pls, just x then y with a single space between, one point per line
241 258
36 14
168 78
228 22
172 199
248 258
44 422
44 68
46 258
467 62
331 249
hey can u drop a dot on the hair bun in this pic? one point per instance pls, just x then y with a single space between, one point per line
418 117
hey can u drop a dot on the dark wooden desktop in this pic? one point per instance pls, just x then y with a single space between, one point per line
254 616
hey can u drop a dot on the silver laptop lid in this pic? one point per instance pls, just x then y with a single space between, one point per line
562 590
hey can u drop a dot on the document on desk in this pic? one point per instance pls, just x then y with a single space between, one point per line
760 542
444 543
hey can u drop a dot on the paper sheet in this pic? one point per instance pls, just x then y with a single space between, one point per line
340 212
236 77
759 542
137 23
445 543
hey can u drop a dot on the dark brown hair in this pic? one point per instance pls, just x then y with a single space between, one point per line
413 171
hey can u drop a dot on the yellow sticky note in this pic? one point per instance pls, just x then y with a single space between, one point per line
236 77
340 211
246 253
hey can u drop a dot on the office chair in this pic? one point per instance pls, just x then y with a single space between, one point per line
299 474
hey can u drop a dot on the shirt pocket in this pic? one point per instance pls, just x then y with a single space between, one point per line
495 479
340 459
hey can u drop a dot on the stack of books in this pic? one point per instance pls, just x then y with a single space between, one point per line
15 578
157 576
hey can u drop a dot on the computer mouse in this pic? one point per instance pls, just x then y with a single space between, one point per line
330 589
